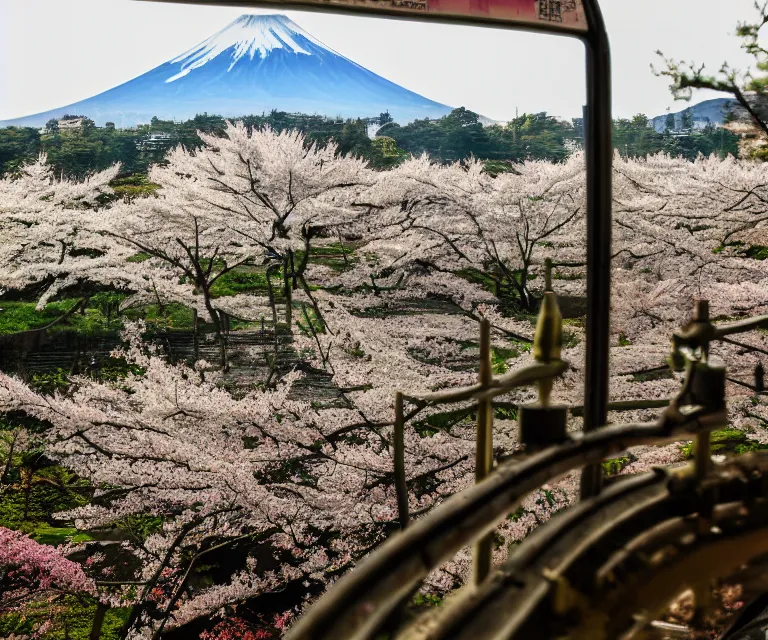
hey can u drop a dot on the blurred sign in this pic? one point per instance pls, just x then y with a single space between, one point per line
557 15
567 14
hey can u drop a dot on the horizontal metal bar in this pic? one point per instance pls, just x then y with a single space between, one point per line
740 326
627 405
371 10
498 386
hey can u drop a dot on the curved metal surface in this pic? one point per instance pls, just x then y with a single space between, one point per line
603 569
358 604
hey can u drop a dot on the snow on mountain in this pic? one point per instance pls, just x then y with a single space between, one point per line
256 64
248 35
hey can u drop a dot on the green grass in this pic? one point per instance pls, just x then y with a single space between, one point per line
437 422
139 257
71 618
169 316
500 356
756 252
46 534
244 281
22 316
570 339
478 277
612 466
427 599
331 255
727 441
135 186
308 320
624 341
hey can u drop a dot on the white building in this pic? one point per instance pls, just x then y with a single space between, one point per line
71 124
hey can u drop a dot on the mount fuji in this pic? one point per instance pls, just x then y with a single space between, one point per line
255 64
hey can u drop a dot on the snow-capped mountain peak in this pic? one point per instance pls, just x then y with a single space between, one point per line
248 35
256 64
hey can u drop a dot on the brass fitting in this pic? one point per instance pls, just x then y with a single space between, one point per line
548 341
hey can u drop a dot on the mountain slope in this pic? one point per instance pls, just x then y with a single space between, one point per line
712 111
255 64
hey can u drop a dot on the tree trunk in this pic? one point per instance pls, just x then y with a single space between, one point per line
196 335
225 325
288 293
26 479
217 327
9 461
98 621
293 268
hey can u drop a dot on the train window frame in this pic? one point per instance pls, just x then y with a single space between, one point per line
598 147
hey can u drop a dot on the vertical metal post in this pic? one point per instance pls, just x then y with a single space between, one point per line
484 451
599 158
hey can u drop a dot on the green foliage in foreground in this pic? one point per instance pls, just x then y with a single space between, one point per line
613 466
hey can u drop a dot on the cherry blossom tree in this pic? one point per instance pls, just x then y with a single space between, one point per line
457 216
45 242
274 192
259 469
310 484
31 572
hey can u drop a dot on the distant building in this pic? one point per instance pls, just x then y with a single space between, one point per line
578 126
71 124
156 140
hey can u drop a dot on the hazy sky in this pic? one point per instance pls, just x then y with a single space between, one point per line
54 53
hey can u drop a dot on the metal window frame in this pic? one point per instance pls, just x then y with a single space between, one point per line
599 156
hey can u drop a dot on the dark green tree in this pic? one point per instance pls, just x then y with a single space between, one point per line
747 87
353 139
17 146
687 119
